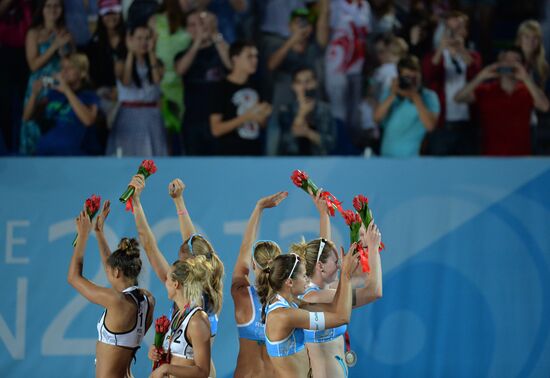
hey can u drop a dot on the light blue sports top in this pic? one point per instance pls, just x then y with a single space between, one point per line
253 329
291 344
212 317
326 334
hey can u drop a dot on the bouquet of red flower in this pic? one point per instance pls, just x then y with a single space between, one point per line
353 220
147 168
161 328
92 207
361 204
301 180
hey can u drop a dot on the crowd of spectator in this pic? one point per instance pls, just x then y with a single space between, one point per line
396 78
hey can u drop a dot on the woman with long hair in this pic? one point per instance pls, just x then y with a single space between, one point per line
46 41
194 245
530 39
253 360
138 128
106 46
326 348
128 309
286 316
187 342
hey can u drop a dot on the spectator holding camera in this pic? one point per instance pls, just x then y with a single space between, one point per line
406 111
505 95
203 65
238 114
307 126
46 41
66 112
138 128
446 70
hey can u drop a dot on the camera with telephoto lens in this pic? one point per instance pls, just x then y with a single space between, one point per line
405 83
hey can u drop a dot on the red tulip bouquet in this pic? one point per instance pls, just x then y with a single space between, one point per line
302 181
162 325
361 204
353 220
147 168
92 207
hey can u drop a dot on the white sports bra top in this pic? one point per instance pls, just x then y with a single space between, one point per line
175 340
132 338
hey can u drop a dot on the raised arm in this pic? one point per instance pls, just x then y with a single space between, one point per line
85 114
242 266
539 98
322 27
467 94
123 69
30 107
104 250
175 189
373 281
92 292
324 216
36 60
146 236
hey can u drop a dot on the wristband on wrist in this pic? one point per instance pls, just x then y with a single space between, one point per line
182 212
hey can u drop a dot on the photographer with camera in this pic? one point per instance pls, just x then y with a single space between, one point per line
66 112
505 103
307 126
446 70
406 111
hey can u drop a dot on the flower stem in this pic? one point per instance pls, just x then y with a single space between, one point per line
127 194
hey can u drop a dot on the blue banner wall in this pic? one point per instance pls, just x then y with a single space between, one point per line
466 270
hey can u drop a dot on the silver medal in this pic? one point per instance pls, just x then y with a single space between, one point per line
351 358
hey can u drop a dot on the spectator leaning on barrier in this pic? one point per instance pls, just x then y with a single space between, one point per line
66 112
238 114
505 104
203 65
446 70
307 127
406 111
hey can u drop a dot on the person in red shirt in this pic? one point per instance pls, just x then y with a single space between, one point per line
446 70
505 95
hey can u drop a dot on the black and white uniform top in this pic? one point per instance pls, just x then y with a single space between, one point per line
132 338
175 341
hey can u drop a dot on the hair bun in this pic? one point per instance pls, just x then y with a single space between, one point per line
129 246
